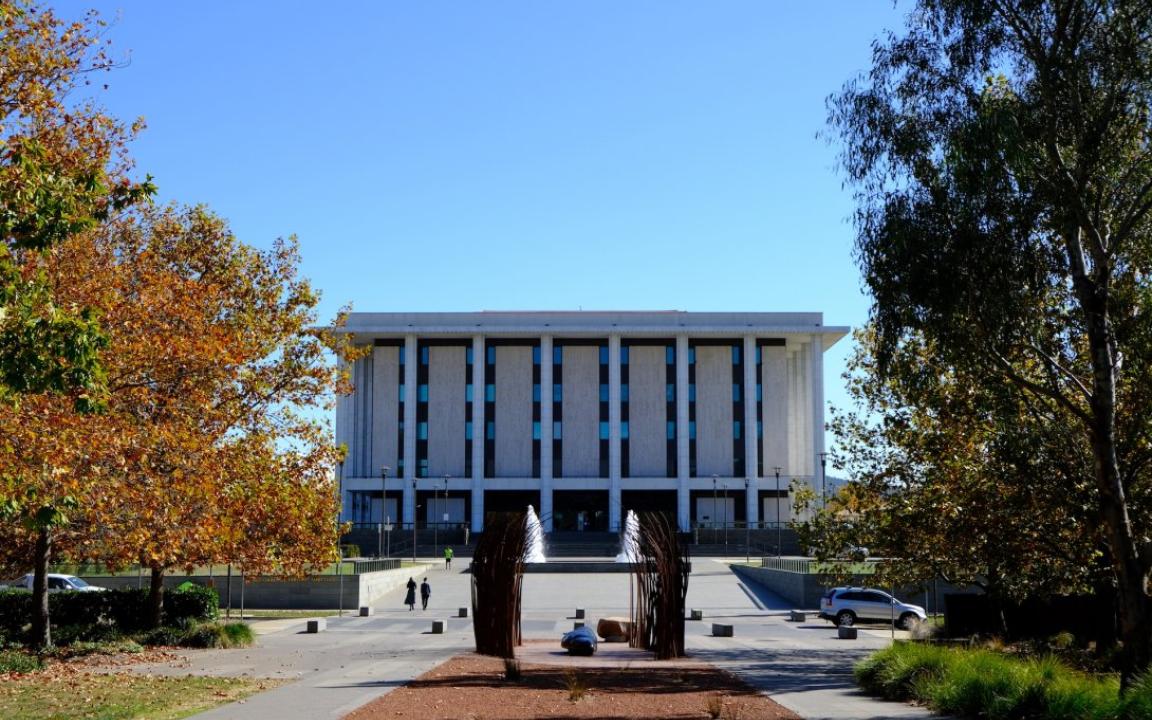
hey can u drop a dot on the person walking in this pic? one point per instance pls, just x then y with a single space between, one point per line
425 593
447 558
410 598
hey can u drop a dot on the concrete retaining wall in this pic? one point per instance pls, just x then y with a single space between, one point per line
804 590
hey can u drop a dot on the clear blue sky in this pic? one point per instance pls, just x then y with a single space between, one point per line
435 156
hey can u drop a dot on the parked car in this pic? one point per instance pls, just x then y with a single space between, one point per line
56 583
847 605
581 641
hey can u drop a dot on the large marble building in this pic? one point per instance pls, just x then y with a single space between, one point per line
584 415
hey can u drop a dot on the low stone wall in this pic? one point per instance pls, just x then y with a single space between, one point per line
317 592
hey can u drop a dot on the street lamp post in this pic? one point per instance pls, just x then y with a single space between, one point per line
383 509
725 519
436 515
823 479
385 521
747 525
714 504
779 532
415 512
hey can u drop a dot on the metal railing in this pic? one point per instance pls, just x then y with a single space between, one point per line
808 566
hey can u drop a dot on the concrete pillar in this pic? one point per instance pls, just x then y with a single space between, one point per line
478 423
546 506
411 360
684 505
751 444
614 433
816 383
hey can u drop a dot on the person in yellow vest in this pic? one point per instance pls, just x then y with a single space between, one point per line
447 558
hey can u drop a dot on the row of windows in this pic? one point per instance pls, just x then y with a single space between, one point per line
558 354
558 393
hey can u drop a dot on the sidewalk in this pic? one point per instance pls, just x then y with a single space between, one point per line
802 666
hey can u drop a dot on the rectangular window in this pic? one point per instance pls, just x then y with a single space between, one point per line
401 354
558 355
624 393
468 355
624 430
691 429
557 393
735 354
735 429
691 356
557 430
535 354
422 431
490 430
670 355
759 354
603 355
759 429
401 392
468 430
536 392
670 392
692 392
624 355
536 431
490 355
671 429
603 430
422 393
603 392
735 392
468 392
424 355
759 392
490 392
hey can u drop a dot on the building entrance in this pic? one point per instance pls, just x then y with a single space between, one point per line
648 501
580 510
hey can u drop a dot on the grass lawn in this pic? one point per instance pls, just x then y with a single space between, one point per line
48 694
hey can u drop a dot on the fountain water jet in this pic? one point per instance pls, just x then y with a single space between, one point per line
535 551
630 543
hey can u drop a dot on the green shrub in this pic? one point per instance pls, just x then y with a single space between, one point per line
15 613
984 683
17 661
99 632
350 550
190 603
165 636
209 635
238 634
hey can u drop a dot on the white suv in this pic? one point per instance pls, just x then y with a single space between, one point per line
845 605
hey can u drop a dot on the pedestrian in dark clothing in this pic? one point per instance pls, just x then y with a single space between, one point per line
425 592
410 599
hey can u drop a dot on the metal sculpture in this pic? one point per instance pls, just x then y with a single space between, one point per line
661 587
497 581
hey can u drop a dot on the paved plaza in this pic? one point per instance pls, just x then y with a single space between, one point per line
802 666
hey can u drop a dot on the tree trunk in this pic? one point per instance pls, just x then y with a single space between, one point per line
41 621
156 598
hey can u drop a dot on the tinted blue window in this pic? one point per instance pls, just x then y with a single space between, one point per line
623 356
670 355
692 392
624 393
624 430
489 393
468 430
536 431
735 354
424 355
422 393
691 356
759 392
468 392
468 355
490 430
557 430
558 355
557 393
735 392
536 355
759 354
491 354
671 429
401 354
536 392
604 392
691 429
401 392
670 392
759 429
603 430
736 429
422 431
603 355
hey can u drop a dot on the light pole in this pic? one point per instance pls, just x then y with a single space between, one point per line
714 503
824 480
436 515
383 509
415 512
779 532
725 519
747 525
385 524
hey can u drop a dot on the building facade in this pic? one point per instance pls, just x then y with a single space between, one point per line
584 415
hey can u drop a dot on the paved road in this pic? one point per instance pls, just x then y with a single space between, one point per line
800 665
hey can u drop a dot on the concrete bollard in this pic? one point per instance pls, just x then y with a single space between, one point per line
797 616
579 613
577 625
697 614
721 630
437 627
367 612
318 625
462 612
846 633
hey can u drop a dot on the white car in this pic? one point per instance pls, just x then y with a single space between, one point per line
57 583
847 605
